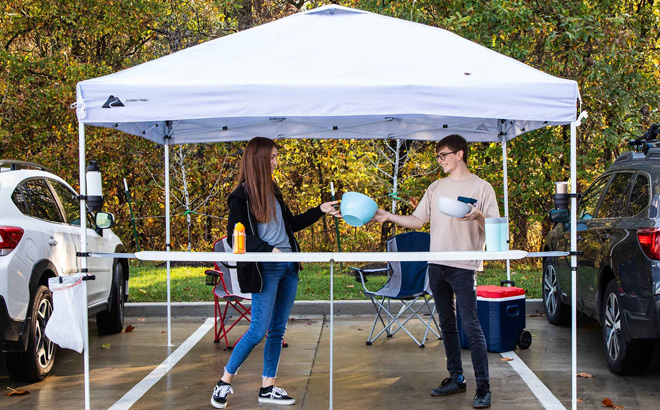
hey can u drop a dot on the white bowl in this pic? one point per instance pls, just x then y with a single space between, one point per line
452 207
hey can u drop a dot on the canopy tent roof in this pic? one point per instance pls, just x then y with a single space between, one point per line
332 72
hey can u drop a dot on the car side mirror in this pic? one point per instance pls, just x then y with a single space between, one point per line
104 220
559 216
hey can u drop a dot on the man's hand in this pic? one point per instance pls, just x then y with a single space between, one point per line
407 221
381 216
474 215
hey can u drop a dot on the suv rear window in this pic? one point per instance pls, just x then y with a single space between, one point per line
640 196
616 197
18 198
40 200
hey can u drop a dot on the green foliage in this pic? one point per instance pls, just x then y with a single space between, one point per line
609 47
187 284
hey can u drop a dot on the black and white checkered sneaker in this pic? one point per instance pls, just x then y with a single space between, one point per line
274 395
220 392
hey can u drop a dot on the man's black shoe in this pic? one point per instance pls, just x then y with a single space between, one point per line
451 385
481 399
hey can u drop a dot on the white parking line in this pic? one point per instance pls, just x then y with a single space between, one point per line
545 396
152 378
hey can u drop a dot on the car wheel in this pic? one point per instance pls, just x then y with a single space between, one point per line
112 320
36 363
556 312
623 356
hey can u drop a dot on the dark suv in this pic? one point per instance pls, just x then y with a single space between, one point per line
618 275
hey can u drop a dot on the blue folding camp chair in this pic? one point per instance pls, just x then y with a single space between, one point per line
408 284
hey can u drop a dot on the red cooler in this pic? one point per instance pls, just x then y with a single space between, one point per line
501 313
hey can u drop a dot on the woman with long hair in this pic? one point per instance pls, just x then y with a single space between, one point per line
257 203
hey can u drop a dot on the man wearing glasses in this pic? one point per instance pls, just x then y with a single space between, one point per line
456 278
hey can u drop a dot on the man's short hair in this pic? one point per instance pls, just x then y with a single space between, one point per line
455 143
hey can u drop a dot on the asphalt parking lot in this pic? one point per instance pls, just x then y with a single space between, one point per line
137 370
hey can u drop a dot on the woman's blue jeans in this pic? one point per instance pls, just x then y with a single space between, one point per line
270 313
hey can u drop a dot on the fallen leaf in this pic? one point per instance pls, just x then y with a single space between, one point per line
579 400
350 286
129 328
307 324
585 375
144 292
506 359
608 403
141 319
106 346
537 314
15 392
162 331
186 289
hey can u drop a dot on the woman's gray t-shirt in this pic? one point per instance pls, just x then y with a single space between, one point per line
274 231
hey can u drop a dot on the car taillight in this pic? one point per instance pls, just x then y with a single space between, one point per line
649 241
10 236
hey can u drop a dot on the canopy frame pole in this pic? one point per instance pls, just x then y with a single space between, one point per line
573 266
395 175
332 324
166 145
83 250
506 203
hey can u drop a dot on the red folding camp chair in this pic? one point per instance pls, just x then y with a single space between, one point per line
224 280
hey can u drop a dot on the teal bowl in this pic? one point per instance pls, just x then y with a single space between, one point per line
357 209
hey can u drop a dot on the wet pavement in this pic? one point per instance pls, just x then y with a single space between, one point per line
391 374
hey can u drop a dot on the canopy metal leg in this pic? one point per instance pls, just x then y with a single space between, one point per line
167 238
573 268
83 259
332 323
506 204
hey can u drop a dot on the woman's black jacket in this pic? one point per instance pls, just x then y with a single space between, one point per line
249 273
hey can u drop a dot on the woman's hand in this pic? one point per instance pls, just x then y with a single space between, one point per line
275 250
329 208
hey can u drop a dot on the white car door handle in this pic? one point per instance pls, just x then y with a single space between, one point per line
52 242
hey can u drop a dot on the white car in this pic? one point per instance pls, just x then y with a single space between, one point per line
39 239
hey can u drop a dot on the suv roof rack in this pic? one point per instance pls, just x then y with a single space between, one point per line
647 141
15 165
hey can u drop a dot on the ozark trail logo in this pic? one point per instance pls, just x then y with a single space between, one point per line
113 102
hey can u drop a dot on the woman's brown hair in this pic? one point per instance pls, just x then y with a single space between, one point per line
256 172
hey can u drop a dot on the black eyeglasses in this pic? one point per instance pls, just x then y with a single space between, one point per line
442 155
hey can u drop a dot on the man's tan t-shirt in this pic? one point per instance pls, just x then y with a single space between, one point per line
447 232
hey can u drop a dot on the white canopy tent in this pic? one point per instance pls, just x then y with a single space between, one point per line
332 72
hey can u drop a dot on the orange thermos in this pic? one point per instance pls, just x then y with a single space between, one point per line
239 238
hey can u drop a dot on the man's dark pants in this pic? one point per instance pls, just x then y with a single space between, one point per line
445 282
